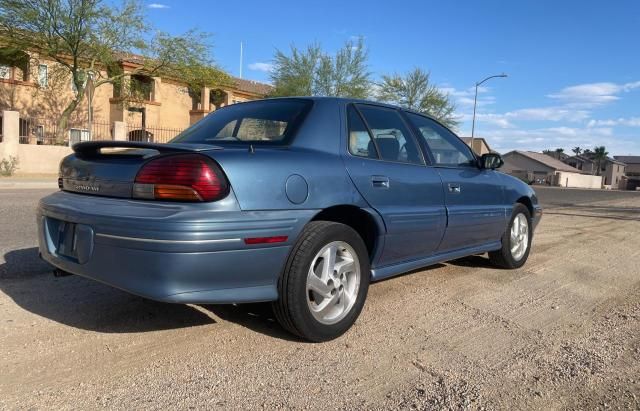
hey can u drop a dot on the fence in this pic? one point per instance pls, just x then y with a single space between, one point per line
100 130
151 134
40 131
43 131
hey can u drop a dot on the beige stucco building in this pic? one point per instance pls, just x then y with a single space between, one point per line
480 145
39 90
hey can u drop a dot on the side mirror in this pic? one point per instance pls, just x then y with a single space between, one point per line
491 161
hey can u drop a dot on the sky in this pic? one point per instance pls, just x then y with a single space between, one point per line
573 66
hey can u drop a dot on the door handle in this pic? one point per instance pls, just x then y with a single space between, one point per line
380 181
454 188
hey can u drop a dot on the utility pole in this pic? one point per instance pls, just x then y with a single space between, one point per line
240 60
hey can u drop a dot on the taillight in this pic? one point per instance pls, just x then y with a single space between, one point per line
181 177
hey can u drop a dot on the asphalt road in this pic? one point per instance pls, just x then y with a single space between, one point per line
561 333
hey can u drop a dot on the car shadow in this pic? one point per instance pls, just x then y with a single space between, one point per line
475 261
258 317
89 305
86 304
414 271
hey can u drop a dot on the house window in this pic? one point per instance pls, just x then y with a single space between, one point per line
142 87
43 75
77 134
40 134
5 72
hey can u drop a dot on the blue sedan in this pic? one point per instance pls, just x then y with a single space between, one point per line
297 201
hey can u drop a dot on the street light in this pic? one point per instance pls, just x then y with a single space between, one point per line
475 101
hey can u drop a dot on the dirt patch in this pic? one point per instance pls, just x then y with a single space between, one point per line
563 332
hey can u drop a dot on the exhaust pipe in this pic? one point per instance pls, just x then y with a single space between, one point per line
60 273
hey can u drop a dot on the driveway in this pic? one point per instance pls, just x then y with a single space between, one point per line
562 332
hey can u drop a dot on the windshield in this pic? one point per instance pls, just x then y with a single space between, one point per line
262 122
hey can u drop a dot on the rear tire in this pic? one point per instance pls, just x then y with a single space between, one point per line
325 282
516 241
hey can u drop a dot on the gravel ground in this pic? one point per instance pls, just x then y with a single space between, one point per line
561 333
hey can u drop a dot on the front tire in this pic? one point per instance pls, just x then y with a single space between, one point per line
325 282
516 241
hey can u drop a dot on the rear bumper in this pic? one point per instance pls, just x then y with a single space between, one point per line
169 252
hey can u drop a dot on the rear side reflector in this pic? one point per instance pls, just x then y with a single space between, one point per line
181 177
266 240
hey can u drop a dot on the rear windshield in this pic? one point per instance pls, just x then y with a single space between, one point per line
264 121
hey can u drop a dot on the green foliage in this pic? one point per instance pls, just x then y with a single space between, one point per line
8 167
313 72
599 155
577 150
88 38
414 91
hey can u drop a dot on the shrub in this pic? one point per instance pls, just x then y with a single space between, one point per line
8 167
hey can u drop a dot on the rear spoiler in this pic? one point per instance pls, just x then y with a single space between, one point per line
92 148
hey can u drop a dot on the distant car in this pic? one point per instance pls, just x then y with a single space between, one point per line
298 201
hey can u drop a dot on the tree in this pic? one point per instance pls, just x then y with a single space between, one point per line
599 155
560 150
88 38
313 72
414 91
577 150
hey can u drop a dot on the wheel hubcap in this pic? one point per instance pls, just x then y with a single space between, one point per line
519 236
333 282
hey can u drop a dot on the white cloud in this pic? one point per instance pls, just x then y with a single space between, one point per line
628 122
464 98
261 66
157 6
551 113
593 94
566 122
504 140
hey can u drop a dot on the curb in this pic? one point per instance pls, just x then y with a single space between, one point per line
28 185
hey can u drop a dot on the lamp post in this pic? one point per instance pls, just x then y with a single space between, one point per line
475 101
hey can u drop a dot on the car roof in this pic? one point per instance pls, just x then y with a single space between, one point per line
347 100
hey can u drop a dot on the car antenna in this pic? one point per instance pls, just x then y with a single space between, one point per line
251 149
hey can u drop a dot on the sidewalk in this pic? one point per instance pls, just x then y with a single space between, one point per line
35 181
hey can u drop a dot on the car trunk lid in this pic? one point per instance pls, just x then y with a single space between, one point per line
109 168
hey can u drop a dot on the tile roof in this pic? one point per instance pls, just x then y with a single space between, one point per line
614 160
547 161
628 159
243 85
252 87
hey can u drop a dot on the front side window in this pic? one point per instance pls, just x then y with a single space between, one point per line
265 121
447 149
43 75
392 137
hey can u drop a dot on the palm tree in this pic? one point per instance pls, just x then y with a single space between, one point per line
577 150
560 150
599 155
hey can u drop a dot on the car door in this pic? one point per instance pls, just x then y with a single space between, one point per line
474 197
387 167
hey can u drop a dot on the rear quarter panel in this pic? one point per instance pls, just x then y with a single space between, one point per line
259 178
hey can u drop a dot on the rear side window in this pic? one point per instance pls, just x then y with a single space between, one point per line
360 143
256 122
392 138
447 149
